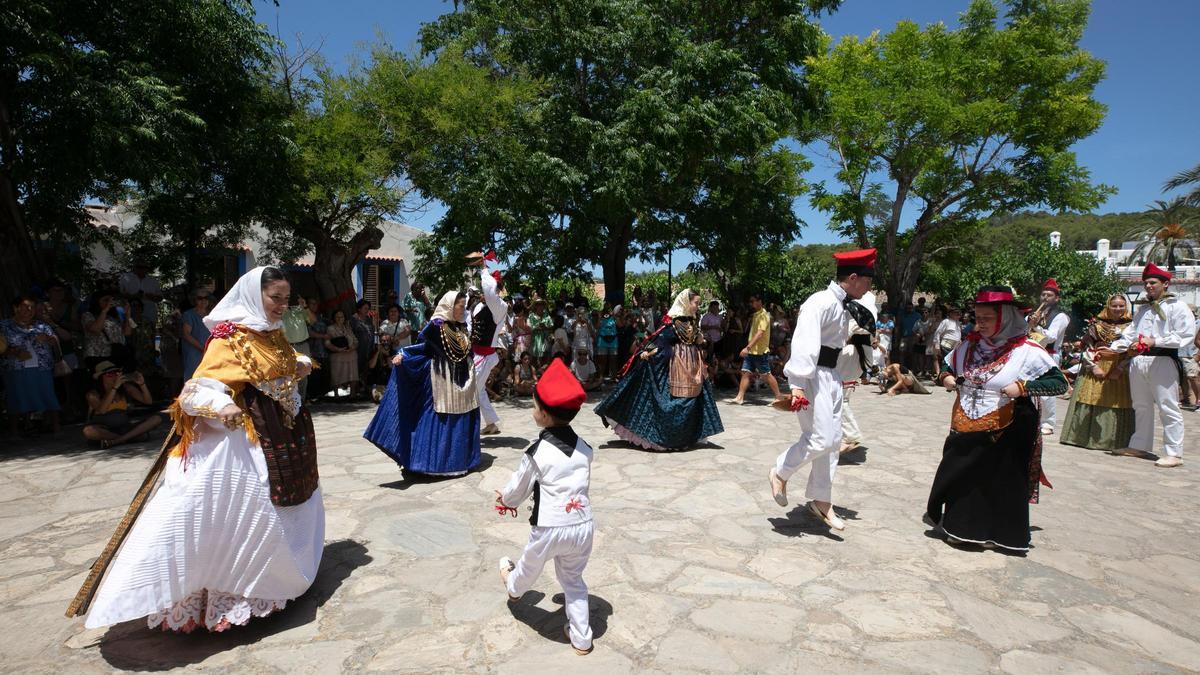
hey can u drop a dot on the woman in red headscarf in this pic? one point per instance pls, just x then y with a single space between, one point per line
991 461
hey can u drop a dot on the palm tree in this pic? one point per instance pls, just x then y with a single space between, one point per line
1166 229
1188 177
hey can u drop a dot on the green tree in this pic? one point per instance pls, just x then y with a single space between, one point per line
1085 282
98 99
1168 227
961 123
653 117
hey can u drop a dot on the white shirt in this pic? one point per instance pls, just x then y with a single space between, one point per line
393 329
492 300
1176 330
1057 330
822 322
556 470
947 328
583 371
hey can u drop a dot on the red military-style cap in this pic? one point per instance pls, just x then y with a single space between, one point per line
559 392
1050 285
1153 271
860 262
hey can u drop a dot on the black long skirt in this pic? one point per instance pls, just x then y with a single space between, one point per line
981 490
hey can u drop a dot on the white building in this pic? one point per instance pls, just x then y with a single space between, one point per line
1186 284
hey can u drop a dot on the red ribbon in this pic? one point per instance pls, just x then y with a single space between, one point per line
799 404
502 509
1141 346
573 505
490 256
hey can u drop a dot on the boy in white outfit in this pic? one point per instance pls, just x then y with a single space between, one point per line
556 471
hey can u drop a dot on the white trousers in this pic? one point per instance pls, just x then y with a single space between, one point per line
820 436
483 369
1154 383
851 433
1050 403
569 546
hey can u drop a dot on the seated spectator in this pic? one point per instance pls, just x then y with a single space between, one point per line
28 364
379 367
499 382
524 376
585 371
109 422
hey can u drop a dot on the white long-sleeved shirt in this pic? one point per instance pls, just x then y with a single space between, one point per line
556 472
822 322
1057 331
493 301
1176 329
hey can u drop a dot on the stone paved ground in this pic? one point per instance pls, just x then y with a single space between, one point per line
695 567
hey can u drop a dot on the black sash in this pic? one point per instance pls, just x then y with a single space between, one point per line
1173 354
828 357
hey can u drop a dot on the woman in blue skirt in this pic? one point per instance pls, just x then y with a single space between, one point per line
664 400
428 420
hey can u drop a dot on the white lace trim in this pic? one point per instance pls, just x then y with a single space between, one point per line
214 610
625 434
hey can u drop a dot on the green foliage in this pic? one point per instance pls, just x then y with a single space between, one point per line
968 122
1185 178
1085 284
655 127
99 98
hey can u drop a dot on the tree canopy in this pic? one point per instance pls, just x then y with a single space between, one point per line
657 126
957 125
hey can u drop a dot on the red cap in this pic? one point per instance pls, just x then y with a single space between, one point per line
559 392
861 262
1153 271
1050 285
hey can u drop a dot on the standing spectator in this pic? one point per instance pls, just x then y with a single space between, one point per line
109 423
1189 354
560 341
416 306
62 314
735 333
650 313
397 330
885 328
712 324
781 328
28 364
542 326
106 325
583 336
607 343
906 320
318 379
170 345
194 332
295 331
140 285
522 333
366 328
755 356
625 336
342 344
947 337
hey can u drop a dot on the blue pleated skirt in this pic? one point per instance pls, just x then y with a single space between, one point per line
407 429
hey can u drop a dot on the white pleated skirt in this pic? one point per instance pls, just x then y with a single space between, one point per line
210 549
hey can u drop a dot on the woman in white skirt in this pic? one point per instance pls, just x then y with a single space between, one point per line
236 528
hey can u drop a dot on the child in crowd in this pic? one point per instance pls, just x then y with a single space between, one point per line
585 371
556 471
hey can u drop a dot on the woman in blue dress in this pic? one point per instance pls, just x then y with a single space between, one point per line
195 333
428 420
664 400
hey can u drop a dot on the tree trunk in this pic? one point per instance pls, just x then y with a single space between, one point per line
334 264
18 255
616 251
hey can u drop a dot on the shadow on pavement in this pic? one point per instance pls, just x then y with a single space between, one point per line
412 478
550 624
799 522
132 646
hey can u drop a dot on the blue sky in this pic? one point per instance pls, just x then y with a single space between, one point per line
1153 95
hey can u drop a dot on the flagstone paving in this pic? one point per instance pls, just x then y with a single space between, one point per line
694 569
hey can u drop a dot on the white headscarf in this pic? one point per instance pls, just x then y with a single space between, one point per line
445 306
243 305
683 304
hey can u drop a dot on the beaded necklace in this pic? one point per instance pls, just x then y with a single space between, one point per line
456 342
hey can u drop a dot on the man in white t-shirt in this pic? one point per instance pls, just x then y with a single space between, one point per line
585 371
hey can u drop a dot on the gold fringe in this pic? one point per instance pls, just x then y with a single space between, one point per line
184 426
